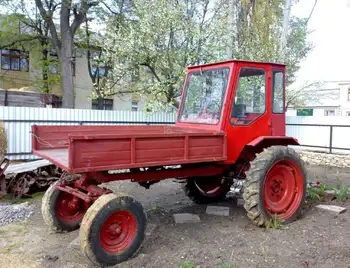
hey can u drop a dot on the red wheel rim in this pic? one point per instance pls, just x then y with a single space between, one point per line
118 232
283 189
69 208
212 188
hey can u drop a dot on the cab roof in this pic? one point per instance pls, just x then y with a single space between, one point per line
236 61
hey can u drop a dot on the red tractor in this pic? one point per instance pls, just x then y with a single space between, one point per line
230 125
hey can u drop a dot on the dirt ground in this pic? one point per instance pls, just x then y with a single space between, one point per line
319 239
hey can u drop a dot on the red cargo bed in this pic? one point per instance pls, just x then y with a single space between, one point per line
79 149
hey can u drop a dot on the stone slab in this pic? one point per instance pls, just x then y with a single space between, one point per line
186 218
218 211
332 208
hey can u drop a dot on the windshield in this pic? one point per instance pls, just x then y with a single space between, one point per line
204 95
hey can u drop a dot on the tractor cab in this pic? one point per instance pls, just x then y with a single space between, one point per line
242 98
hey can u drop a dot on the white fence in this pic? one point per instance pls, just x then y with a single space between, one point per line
316 132
330 132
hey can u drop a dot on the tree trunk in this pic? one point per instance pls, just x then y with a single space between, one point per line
45 70
67 82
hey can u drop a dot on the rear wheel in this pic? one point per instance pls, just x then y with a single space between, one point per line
62 211
275 186
207 190
113 229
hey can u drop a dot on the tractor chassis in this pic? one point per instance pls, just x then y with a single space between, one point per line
85 186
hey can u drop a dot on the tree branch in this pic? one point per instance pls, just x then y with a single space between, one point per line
312 11
51 25
80 15
27 39
88 52
152 70
110 10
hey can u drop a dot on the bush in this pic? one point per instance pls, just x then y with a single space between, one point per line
3 141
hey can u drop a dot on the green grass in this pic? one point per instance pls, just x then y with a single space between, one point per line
226 266
187 265
341 191
274 223
317 193
12 200
156 209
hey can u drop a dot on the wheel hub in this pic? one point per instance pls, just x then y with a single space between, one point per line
281 193
73 205
118 231
69 208
114 230
277 187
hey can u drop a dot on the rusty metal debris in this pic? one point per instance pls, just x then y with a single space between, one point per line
27 178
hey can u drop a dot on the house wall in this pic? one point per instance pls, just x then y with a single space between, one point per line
317 111
333 96
82 82
83 88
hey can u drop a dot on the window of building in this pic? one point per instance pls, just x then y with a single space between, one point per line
329 113
347 113
278 98
134 106
14 60
250 101
348 94
107 104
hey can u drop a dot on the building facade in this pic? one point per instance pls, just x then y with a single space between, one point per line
21 70
333 99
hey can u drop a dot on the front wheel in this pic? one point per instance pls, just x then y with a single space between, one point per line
275 186
112 229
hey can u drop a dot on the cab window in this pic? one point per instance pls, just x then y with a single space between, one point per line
250 98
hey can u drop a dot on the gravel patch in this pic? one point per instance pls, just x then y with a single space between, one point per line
15 212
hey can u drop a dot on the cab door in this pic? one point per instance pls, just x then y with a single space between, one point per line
278 120
250 107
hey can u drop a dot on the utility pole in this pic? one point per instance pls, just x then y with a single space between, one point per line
286 16
231 7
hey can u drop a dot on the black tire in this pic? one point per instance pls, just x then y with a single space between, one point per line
193 191
94 222
256 176
51 214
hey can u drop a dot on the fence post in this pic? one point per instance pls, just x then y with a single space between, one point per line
330 139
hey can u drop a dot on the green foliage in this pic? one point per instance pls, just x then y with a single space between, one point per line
3 141
12 32
274 223
317 193
187 265
341 191
160 45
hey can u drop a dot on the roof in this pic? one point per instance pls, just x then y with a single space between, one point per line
236 61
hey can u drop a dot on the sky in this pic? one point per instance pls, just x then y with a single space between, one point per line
330 23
